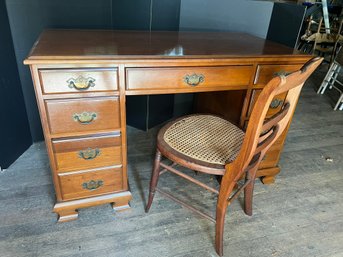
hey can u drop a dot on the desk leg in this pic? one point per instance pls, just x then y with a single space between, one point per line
67 215
121 204
67 211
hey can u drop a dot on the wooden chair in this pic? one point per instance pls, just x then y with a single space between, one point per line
306 45
212 145
327 43
331 79
319 41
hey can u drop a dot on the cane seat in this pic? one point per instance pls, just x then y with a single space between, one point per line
205 138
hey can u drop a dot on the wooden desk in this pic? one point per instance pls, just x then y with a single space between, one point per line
82 78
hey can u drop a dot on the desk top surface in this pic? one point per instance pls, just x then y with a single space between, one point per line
108 44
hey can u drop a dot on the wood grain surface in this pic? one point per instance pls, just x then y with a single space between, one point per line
61 80
215 78
62 121
109 181
108 44
87 153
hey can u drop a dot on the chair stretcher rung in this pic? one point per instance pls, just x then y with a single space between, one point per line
236 194
204 215
339 82
189 178
165 170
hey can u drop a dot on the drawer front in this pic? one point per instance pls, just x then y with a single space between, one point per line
275 106
267 72
188 78
87 153
82 116
81 185
78 80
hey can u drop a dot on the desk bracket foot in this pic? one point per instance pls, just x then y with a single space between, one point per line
121 205
67 215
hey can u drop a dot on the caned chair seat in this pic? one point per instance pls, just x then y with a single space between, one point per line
205 138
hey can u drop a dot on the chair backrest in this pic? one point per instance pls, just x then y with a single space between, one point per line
261 133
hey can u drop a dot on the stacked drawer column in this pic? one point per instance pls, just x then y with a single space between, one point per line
81 117
268 167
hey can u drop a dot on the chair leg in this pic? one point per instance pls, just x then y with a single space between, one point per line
220 221
248 194
249 191
154 179
328 77
339 102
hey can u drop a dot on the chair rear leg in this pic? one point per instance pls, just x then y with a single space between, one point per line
249 191
154 179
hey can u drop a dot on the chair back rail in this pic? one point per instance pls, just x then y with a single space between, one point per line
261 133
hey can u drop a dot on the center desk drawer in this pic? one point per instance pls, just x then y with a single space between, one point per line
78 80
83 115
188 78
92 183
87 153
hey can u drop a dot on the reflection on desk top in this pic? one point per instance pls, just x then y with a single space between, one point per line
108 44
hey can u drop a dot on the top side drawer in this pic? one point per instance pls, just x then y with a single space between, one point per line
78 80
188 79
267 72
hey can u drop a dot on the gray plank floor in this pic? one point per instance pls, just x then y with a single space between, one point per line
300 215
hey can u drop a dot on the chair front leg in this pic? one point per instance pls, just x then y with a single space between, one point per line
154 179
220 221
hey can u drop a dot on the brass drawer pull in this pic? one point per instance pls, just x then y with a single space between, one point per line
85 117
89 153
194 79
81 83
275 103
92 185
